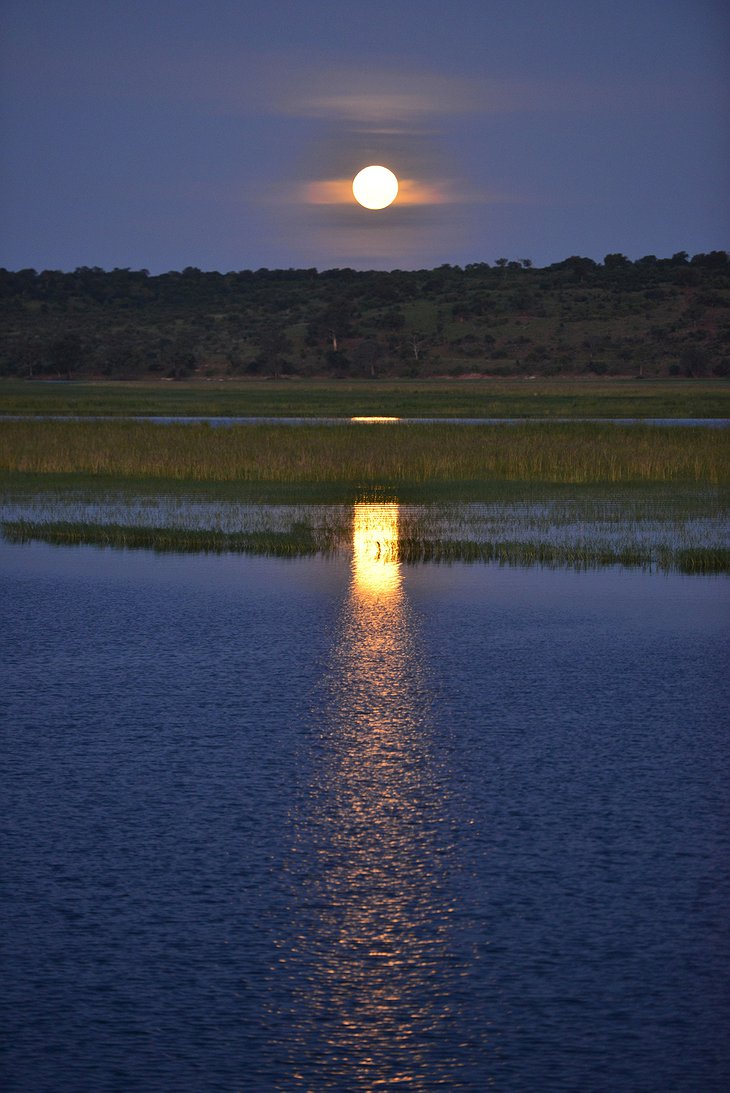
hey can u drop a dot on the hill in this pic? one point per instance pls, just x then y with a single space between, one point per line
652 317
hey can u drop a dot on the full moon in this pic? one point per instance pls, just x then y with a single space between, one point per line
375 187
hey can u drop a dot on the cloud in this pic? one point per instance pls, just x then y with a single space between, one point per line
345 117
372 97
375 98
411 191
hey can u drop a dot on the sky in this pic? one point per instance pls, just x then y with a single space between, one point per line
171 133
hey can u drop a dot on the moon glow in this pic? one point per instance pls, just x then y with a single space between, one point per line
375 187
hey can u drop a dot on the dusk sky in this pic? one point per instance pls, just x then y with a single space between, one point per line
166 133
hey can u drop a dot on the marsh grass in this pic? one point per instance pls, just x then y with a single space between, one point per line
577 556
689 535
383 456
562 494
298 542
305 540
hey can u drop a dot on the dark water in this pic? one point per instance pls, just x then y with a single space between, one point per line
300 825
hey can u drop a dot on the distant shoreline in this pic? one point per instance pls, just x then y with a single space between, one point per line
553 398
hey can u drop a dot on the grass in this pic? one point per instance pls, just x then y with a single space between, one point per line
147 490
184 487
543 398
362 457
303 540
295 543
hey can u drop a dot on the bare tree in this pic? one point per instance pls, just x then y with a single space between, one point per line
417 343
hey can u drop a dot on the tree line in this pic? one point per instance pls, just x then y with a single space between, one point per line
654 316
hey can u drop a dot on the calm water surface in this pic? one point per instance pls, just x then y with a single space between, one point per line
227 422
337 824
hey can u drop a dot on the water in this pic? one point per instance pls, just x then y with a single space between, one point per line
339 824
647 522
227 422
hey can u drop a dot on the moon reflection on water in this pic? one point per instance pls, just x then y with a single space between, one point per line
369 974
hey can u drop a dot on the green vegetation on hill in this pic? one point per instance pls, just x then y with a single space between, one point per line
653 317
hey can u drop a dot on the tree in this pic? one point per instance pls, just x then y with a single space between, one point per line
394 319
178 355
66 354
581 268
366 356
649 260
274 348
716 259
27 353
616 261
693 361
334 322
416 343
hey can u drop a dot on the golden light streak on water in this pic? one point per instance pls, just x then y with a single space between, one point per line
376 569
366 976
373 419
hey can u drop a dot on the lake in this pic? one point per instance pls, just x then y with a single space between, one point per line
340 823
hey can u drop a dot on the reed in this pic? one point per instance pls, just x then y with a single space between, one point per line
304 540
295 543
368 456
579 556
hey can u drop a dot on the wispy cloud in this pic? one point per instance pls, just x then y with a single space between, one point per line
411 191
381 97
